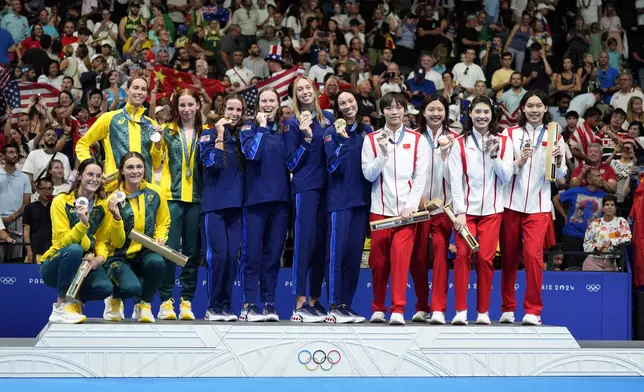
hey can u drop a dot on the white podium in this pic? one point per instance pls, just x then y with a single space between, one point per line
285 349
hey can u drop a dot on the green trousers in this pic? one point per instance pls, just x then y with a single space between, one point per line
137 278
59 270
184 237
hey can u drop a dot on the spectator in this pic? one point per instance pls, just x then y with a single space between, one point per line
584 206
577 41
582 102
229 45
15 23
517 42
510 101
605 235
255 63
240 77
248 19
36 221
609 134
608 179
568 81
558 113
427 61
623 170
607 77
501 77
536 73
470 36
626 91
466 73
15 193
419 87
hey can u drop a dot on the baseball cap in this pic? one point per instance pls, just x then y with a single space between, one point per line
94 57
26 68
419 72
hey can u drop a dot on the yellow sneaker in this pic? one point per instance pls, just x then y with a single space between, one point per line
166 310
66 313
113 309
185 311
145 312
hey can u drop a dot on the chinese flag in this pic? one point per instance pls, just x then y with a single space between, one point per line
171 81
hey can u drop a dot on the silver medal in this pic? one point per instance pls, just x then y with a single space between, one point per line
188 172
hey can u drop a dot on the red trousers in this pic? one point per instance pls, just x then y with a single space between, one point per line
439 229
486 228
532 228
390 253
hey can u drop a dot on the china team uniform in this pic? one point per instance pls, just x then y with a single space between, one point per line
477 182
526 218
438 228
398 181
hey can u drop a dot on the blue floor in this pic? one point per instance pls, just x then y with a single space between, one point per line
522 384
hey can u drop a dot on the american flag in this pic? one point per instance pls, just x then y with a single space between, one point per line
279 82
17 94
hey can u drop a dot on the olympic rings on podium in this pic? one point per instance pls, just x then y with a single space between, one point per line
319 358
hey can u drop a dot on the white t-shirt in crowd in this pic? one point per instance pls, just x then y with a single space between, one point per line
468 75
318 73
37 162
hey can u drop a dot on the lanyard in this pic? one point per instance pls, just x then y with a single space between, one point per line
428 135
135 194
127 115
476 141
539 139
187 153
400 138
353 127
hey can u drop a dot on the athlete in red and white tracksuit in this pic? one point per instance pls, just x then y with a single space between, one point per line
398 179
438 228
476 182
526 220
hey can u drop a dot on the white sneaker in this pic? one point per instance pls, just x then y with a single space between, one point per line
507 318
143 313
437 318
531 319
397 319
420 317
114 309
460 318
378 317
185 311
67 313
215 315
166 310
483 319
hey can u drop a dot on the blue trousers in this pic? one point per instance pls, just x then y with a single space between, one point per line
58 272
346 234
263 237
137 278
310 233
221 234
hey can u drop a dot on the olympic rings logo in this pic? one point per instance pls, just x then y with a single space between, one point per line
593 288
7 280
319 358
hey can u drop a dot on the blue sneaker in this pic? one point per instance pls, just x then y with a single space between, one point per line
228 313
214 314
251 313
319 309
269 312
339 315
306 314
356 317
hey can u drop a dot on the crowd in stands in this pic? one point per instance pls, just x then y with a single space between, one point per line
588 55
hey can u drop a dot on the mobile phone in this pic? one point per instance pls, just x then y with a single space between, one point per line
388 75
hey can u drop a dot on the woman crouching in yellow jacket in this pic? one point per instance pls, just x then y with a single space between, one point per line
84 223
136 272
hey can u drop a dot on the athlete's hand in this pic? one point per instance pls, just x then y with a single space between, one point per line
407 213
113 207
83 213
526 154
261 119
460 222
383 143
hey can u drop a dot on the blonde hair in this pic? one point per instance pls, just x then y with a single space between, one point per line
316 100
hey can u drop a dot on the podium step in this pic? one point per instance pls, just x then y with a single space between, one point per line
286 349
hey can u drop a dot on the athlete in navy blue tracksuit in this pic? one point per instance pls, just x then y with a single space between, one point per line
348 199
221 206
266 207
306 159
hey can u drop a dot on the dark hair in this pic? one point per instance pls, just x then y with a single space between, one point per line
129 82
66 93
608 198
234 130
336 106
592 112
100 192
94 92
421 121
10 145
494 125
176 118
278 114
392 97
620 112
44 179
506 54
639 125
544 99
131 154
